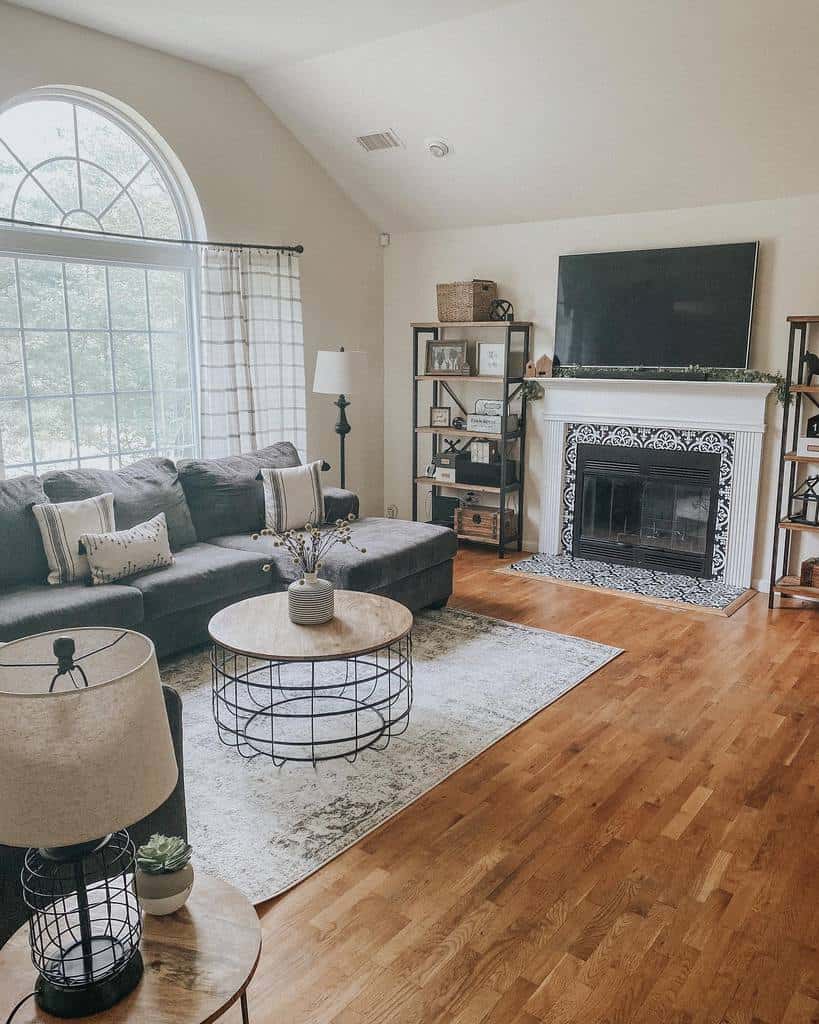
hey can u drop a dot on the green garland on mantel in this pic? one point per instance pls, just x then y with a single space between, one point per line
710 373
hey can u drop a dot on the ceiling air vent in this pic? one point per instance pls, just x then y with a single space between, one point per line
378 140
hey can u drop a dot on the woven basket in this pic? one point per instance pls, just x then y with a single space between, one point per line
809 577
463 301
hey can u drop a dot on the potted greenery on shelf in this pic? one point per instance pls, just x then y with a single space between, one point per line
164 876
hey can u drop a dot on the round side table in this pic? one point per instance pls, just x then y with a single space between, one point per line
311 693
198 963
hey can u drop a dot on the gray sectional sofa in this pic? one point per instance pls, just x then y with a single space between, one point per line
212 508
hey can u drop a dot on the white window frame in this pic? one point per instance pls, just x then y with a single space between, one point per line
68 246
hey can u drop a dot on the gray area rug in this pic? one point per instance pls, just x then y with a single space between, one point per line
627 579
265 828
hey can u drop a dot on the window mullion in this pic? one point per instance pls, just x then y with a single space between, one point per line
71 367
26 384
111 348
151 362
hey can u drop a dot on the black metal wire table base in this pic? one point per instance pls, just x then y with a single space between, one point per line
311 711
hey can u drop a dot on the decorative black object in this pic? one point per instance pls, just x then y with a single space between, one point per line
443 509
486 474
85 924
312 711
502 309
459 423
812 427
810 362
805 502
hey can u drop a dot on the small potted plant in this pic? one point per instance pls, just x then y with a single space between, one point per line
310 598
164 876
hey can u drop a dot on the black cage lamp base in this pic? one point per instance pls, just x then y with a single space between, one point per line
85 1000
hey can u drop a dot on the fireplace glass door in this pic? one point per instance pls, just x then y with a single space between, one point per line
656 511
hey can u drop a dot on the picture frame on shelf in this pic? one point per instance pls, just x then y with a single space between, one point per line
491 356
440 416
447 358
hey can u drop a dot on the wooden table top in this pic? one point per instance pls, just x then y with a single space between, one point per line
198 962
260 627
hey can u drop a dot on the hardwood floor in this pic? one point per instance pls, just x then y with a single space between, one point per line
645 850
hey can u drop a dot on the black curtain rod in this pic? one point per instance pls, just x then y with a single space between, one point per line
150 238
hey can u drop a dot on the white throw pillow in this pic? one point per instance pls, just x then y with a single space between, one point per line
113 556
293 497
61 526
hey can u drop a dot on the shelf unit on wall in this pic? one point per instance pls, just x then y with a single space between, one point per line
804 396
517 336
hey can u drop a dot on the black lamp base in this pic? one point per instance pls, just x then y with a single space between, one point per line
84 1000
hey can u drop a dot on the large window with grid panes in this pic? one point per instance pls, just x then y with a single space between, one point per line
97 347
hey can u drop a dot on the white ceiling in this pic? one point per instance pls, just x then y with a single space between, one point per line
554 108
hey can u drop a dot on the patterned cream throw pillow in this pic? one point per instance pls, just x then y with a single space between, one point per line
114 556
293 497
61 526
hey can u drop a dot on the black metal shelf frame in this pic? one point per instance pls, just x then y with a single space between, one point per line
798 346
509 381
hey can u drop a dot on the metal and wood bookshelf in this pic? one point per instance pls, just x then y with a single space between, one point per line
804 396
517 336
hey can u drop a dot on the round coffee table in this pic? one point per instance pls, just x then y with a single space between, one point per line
311 693
198 962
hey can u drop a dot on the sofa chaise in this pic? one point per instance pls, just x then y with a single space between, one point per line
212 508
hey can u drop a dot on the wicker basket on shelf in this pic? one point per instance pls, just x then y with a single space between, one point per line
809 576
465 301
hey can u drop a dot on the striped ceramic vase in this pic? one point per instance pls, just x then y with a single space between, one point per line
310 600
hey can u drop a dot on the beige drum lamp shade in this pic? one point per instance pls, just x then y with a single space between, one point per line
82 761
340 373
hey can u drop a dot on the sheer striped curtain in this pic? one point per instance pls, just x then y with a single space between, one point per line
251 352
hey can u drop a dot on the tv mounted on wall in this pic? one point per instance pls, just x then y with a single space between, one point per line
657 308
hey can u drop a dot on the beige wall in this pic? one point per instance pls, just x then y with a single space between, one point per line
255 182
522 258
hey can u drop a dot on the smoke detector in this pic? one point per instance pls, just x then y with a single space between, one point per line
375 141
439 148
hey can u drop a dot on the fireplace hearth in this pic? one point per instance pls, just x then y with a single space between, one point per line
646 507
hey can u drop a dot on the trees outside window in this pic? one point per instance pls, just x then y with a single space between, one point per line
96 333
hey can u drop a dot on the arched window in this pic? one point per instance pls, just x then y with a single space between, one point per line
96 340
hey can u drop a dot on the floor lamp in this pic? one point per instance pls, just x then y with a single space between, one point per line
340 373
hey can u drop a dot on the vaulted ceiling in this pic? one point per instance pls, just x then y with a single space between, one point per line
553 108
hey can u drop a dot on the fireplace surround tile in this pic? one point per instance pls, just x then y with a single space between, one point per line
665 438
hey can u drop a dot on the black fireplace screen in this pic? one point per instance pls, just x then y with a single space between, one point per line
646 507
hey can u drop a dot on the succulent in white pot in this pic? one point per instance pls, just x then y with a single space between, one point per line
164 875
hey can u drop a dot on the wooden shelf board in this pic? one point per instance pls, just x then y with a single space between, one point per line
431 482
795 457
786 524
456 377
486 540
452 432
429 324
790 586
808 318
805 389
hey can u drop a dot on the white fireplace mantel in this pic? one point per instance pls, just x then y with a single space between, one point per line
730 407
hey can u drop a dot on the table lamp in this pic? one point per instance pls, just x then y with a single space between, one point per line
85 750
340 373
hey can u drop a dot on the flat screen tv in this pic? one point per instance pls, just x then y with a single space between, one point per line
657 307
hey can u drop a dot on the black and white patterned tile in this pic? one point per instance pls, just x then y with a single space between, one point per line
667 439
631 580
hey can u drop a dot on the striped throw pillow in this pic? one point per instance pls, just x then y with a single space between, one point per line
293 497
61 526
113 556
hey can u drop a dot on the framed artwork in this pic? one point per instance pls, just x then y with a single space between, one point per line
440 416
490 358
447 357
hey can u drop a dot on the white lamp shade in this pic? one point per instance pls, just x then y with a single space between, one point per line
77 764
339 373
